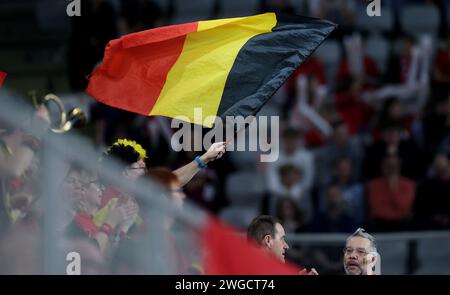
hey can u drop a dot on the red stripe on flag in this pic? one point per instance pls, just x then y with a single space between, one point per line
2 78
138 64
227 253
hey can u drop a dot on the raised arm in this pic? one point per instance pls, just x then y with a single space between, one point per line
187 172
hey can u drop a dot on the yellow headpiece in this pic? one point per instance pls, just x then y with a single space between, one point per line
136 146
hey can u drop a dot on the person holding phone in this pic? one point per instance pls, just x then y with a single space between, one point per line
360 254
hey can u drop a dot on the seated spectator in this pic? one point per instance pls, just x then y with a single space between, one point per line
342 12
408 76
341 145
432 205
392 111
291 153
357 74
390 198
436 122
313 69
292 219
290 215
352 191
83 224
19 163
335 219
400 61
306 90
394 142
291 188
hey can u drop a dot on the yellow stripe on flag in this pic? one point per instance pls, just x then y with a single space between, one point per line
198 77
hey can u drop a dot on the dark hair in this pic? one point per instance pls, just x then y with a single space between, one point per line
298 213
126 154
260 227
287 168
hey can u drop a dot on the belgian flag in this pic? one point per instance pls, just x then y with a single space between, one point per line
226 67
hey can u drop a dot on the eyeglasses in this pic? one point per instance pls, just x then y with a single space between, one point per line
97 185
359 251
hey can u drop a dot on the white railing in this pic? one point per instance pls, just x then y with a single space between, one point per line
412 252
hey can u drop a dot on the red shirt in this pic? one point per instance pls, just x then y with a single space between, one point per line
370 69
86 223
352 109
312 67
387 204
442 62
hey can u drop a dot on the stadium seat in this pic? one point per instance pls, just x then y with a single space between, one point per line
193 10
393 257
420 19
239 217
269 110
330 54
378 47
244 160
248 159
434 257
244 188
238 8
383 23
163 4
300 6
51 16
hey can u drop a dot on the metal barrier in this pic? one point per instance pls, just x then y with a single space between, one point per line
420 252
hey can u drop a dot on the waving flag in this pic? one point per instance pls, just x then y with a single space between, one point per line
226 67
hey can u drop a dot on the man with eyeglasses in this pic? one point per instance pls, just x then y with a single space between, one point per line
360 254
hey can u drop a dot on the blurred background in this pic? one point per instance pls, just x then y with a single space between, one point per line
365 122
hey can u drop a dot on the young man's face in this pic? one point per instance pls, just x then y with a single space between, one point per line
277 245
357 260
